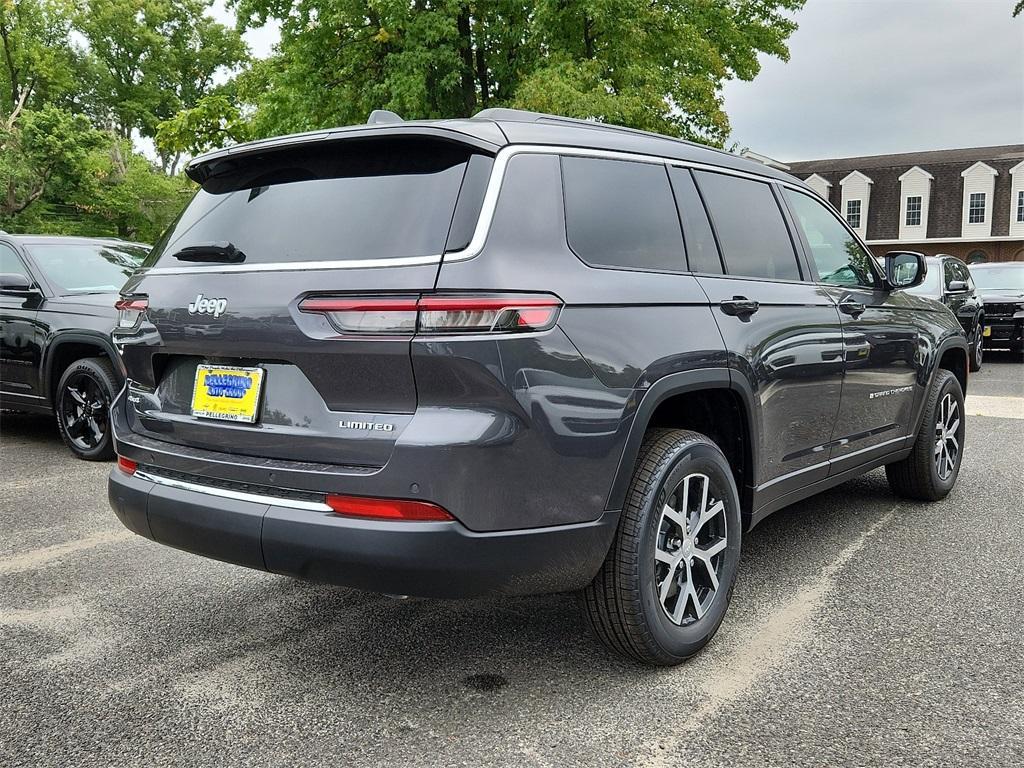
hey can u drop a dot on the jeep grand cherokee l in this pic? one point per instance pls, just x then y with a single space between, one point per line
57 299
517 354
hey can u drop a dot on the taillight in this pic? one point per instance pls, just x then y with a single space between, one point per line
437 314
130 311
127 465
386 509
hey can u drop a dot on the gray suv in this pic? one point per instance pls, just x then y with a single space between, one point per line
518 354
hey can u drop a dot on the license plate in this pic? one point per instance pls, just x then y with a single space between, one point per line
987 331
231 394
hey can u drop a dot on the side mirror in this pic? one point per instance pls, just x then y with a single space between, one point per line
905 269
15 284
957 286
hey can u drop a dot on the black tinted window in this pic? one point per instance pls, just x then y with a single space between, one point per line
838 257
701 251
351 200
750 227
621 214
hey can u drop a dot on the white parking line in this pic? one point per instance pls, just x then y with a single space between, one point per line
731 676
999 407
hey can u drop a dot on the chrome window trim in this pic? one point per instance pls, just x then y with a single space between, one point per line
296 266
257 498
487 211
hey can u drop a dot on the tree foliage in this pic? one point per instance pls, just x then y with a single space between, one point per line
79 80
85 83
652 65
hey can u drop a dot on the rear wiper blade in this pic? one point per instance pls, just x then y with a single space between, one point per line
220 252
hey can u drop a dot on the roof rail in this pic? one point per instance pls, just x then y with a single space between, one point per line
526 116
382 117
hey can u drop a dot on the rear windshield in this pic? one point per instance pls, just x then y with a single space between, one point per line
350 200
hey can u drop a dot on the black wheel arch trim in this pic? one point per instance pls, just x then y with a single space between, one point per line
95 339
661 390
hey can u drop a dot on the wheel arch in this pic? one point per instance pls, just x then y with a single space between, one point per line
684 400
67 347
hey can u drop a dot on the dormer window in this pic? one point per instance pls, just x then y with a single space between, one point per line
976 208
914 211
853 213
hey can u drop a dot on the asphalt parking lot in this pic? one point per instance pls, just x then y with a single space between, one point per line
863 631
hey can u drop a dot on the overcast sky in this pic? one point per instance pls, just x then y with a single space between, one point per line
873 77
879 76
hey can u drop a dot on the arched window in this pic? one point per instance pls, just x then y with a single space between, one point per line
977 257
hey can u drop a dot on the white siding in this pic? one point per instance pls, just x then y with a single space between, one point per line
915 183
1016 188
857 186
979 178
819 184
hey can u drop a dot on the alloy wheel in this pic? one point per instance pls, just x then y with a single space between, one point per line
689 552
84 411
947 445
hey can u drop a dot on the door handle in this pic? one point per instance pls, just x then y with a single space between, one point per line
850 307
740 306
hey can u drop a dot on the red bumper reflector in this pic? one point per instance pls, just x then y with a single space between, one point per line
127 465
386 509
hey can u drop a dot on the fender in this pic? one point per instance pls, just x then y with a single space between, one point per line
954 341
61 338
664 388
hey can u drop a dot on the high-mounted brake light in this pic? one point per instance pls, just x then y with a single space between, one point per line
437 314
127 465
386 509
130 311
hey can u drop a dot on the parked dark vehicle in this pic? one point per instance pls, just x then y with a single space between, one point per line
518 353
949 281
57 299
1001 286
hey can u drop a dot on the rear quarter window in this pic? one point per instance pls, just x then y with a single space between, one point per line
621 214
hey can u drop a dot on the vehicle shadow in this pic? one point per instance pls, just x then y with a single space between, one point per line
299 634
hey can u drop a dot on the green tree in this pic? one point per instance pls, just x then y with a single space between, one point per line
150 60
658 66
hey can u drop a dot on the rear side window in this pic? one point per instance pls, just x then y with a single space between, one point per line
701 251
345 201
754 238
621 214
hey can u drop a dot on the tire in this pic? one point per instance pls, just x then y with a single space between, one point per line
82 406
976 351
1017 350
919 476
623 605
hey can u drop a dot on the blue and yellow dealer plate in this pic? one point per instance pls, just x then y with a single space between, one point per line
232 394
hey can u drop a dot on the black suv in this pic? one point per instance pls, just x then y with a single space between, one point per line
1002 291
57 299
949 281
518 353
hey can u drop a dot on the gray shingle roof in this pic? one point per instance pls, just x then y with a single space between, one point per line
963 157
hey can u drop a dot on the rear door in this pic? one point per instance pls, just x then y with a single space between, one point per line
882 344
782 331
225 287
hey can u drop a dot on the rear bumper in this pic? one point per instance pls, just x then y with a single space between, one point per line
435 559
